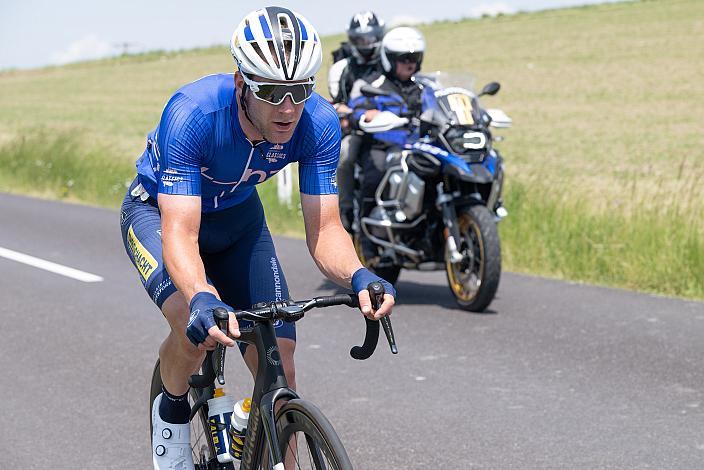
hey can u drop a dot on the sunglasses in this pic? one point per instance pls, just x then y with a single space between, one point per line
275 93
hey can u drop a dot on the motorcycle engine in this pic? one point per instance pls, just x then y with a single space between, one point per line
410 197
409 194
377 214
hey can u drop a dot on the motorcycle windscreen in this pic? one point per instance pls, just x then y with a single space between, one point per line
457 106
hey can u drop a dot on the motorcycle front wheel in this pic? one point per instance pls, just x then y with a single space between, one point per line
474 280
387 273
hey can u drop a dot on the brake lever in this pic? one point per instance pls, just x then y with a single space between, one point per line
376 293
389 332
221 319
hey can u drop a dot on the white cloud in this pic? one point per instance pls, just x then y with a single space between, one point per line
87 48
491 9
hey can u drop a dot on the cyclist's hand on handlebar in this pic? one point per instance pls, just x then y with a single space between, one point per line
360 280
202 329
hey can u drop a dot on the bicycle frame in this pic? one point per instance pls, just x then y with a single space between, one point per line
270 386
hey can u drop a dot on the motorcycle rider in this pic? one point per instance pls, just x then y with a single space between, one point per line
355 59
401 58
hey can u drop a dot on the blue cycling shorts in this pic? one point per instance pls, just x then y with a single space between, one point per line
235 245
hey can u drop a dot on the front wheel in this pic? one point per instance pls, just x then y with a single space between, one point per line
307 439
474 280
389 273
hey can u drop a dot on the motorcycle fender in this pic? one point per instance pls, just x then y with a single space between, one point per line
479 174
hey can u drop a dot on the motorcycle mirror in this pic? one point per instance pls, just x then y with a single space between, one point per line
490 89
369 91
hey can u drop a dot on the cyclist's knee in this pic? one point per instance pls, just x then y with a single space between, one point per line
176 311
286 349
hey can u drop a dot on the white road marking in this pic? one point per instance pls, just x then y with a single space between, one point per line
49 266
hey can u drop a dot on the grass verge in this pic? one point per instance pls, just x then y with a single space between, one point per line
645 247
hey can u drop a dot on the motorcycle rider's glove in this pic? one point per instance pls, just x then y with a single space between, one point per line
201 320
363 277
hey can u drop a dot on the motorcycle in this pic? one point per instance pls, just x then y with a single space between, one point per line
440 199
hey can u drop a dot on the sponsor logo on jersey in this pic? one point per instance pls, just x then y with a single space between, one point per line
273 156
169 178
143 260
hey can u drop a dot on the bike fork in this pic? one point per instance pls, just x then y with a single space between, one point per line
445 203
267 407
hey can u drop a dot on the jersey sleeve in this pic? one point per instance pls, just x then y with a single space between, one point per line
181 146
317 167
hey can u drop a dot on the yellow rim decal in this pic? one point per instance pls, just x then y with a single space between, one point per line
454 275
145 262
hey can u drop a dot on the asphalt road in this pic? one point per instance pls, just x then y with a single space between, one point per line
556 375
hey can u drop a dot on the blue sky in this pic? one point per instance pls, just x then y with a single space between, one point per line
41 32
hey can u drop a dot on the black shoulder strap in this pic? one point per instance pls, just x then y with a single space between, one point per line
342 52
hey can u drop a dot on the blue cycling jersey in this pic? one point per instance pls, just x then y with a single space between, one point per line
200 149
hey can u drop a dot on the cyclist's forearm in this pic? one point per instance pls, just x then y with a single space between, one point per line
183 262
334 254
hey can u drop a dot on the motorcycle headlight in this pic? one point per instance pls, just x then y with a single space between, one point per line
465 141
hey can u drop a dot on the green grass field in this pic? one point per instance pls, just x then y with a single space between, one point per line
605 175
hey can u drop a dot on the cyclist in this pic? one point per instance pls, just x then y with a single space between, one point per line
355 59
193 224
401 54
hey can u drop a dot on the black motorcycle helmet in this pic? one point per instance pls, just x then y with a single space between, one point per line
365 33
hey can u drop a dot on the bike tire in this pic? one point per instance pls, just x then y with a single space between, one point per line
298 417
202 447
388 273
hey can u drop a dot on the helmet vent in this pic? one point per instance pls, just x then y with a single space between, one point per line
287 34
259 52
272 51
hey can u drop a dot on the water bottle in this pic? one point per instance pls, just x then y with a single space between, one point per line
238 427
219 416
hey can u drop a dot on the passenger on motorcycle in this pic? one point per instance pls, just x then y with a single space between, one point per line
355 59
401 58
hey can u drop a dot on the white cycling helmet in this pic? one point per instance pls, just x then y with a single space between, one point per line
403 41
277 44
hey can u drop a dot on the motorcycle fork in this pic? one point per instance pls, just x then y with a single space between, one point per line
445 202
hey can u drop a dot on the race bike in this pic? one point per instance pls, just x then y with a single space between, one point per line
440 198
